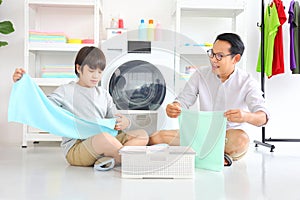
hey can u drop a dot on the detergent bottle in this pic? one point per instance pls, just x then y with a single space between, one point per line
114 23
150 30
142 31
158 32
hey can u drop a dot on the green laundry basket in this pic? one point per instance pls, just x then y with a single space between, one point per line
204 132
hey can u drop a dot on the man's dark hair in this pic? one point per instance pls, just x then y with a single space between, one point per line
237 45
90 56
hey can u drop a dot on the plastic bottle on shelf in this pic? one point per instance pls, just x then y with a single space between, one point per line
150 30
121 23
158 31
142 31
114 23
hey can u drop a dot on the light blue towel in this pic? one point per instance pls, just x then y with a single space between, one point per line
29 105
204 131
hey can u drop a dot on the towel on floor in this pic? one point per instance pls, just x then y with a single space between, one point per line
29 105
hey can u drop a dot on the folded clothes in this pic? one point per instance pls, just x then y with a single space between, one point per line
29 105
62 41
58 75
58 68
54 37
58 71
67 70
48 38
35 32
74 41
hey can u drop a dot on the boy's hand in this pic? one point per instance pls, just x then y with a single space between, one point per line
173 110
122 122
18 74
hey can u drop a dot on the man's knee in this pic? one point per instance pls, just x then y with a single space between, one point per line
237 143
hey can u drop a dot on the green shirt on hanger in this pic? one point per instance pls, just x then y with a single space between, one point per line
271 25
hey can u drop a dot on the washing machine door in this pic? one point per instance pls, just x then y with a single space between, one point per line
137 85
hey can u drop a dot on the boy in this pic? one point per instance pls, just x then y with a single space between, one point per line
88 101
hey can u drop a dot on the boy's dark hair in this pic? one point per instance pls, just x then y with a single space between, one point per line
90 56
237 45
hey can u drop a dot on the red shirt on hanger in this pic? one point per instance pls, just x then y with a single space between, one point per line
278 57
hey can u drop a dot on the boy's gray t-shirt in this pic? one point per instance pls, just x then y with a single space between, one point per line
87 103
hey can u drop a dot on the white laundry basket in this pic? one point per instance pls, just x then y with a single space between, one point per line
157 162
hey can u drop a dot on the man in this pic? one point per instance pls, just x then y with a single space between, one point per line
222 86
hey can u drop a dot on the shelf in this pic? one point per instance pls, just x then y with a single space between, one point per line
211 12
53 81
229 8
75 18
66 3
41 137
198 22
56 46
192 50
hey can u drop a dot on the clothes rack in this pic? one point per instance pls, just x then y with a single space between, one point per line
264 139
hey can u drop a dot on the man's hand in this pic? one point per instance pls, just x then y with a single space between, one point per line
173 109
236 115
257 118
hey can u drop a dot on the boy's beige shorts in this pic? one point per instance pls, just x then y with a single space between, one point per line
83 154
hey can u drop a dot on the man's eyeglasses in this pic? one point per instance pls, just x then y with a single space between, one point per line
218 56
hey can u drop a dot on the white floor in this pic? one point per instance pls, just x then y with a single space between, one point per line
40 172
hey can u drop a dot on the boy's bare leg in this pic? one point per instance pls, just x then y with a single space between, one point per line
107 145
137 138
170 137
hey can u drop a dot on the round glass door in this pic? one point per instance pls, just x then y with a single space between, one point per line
137 85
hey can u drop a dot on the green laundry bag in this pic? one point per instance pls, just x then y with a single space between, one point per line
204 132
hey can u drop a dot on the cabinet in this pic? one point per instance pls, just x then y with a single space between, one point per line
197 24
80 20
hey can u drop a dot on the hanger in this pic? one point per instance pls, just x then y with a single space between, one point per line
270 2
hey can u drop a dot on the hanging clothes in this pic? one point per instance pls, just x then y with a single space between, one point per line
278 55
296 37
292 39
271 24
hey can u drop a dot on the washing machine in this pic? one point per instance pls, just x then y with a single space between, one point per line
141 83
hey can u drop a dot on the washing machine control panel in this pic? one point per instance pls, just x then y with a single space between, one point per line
139 47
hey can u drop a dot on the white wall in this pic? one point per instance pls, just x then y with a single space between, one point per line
281 90
132 11
11 57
